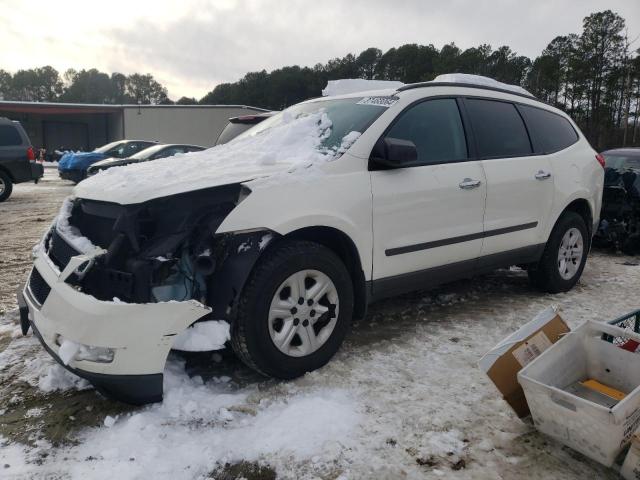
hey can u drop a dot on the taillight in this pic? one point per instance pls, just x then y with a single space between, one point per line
30 154
600 159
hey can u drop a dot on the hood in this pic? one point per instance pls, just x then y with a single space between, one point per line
79 161
140 187
293 145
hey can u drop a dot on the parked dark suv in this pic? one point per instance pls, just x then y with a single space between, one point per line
17 157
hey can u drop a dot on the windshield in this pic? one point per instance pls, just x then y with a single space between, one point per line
622 162
108 146
347 115
147 152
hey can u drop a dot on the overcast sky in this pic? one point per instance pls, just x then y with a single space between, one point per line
192 45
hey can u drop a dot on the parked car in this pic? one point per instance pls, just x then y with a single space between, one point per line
152 153
238 125
17 157
73 166
620 214
424 184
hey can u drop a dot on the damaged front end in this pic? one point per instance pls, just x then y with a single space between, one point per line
129 279
164 249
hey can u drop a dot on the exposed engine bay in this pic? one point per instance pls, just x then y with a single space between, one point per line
162 250
620 215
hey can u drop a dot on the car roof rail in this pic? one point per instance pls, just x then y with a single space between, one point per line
411 86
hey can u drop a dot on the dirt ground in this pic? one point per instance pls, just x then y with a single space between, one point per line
403 399
23 220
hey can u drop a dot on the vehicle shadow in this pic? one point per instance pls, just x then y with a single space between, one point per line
386 320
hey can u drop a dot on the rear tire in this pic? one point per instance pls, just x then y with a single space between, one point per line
564 257
6 186
285 337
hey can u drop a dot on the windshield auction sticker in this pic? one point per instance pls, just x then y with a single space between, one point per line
378 101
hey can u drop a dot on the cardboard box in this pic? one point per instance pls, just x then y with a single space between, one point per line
503 362
631 467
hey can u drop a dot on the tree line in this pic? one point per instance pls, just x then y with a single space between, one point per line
594 76
45 84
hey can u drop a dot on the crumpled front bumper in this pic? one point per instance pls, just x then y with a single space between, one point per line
140 335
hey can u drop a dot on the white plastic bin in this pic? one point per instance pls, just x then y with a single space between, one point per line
596 431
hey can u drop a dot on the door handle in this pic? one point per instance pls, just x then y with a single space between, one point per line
468 184
542 175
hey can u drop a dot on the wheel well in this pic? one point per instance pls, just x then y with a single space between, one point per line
582 208
342 245
4 170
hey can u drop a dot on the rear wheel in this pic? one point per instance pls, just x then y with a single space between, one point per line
6 186
295 310
564 256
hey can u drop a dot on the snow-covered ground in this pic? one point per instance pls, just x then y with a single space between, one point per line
403 399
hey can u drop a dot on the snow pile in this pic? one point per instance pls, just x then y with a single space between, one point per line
202 425
348 140
480 80
353 85
293 144
203 337
68 351
56 378
71 233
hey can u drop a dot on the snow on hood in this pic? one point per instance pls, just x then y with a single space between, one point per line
353 85
294 144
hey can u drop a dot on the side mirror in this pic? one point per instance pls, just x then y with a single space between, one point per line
392 152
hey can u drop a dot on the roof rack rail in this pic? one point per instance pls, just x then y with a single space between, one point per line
411 86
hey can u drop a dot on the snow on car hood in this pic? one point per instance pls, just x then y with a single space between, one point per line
294 144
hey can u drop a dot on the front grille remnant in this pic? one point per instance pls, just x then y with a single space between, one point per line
61 252
38 287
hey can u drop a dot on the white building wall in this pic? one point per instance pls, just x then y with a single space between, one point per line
197 125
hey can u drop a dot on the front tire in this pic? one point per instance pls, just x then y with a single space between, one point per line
295 310
6 186
564 256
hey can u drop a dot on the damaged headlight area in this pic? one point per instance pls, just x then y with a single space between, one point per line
161 250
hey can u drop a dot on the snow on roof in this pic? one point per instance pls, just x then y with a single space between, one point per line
347 86
480 80
353 85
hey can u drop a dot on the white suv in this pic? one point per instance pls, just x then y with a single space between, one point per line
290 230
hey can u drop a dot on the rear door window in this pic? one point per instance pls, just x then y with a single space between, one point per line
435 127
9 136
551 132
498 128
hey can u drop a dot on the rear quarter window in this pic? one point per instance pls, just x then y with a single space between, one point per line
9 136
550 131
231 131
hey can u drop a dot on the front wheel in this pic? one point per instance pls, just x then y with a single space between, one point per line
564 256
294 311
